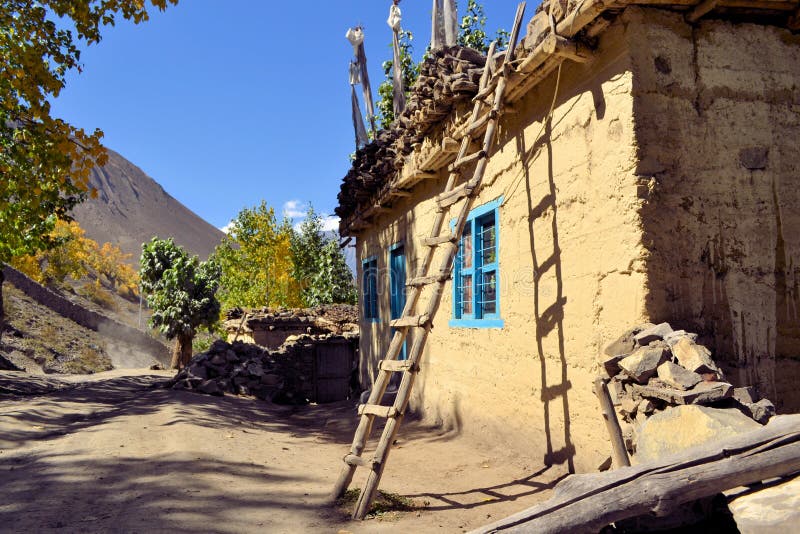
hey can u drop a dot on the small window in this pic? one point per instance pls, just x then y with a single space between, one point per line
369 288
476 271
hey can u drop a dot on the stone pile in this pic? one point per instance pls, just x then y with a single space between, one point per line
652 367
334 313
449 75
282 376
270 327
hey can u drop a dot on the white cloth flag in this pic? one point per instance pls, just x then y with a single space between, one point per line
444 24
356 38
399 92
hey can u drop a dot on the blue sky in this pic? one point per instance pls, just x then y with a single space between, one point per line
225 103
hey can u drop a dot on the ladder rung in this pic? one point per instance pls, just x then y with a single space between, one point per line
454 195
480 123
396 366
377 410
466 160
412 320
425 280
438 240
352 459
488 90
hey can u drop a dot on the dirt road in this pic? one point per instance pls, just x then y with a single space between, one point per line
113 452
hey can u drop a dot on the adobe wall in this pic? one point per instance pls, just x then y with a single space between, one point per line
571 274
717 114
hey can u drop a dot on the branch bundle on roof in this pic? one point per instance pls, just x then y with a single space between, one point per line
450 74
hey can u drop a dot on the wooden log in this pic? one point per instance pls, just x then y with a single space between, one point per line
587 503
612 424
700 10
794 20
566 48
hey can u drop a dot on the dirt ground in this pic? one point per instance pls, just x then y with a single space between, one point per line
114 452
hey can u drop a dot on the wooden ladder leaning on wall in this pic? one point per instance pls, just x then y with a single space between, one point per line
485 114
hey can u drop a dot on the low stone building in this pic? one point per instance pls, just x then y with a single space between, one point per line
654 179
270 327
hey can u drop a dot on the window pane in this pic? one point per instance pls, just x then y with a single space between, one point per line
488 242
488 292
466 248
466 294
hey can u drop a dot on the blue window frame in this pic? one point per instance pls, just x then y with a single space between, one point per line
369 288
476 276
397 288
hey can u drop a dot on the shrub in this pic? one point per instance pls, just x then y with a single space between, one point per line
95 293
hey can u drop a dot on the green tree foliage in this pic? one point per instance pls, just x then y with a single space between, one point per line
472 30
332 281
181 291
384 105
472 33
256 261
319 265
44 161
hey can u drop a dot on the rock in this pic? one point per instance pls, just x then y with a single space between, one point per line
628 407
644 361
702 393
679 427
621 348
746 395
676 376
676 336
694 357
616 390
646 406
654 333
210 387
754 158
197 371
760 411
271 380
775 509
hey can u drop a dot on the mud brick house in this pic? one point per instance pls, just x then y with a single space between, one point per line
647 169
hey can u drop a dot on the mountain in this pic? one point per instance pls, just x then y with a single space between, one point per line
131 208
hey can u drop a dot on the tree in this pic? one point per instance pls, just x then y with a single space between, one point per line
75 256
472 30
332 282
410 74
44 161
256 261
319 265
181 291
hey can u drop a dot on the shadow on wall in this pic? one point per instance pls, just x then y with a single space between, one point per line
548 312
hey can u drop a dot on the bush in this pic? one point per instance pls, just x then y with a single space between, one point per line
95 293
90 360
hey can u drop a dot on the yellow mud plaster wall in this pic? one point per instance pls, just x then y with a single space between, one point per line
717 114
570 275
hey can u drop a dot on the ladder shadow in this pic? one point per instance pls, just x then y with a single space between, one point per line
549 316
488 495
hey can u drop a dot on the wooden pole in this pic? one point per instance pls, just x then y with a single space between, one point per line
612 423
587 503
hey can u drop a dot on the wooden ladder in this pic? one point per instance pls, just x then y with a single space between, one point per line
485 114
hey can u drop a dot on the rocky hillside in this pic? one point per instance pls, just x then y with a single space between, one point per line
131 208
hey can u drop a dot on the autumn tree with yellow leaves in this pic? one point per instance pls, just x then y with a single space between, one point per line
256 261
45 162
73 255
